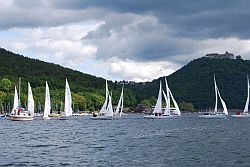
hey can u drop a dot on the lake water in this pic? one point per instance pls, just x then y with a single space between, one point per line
131 141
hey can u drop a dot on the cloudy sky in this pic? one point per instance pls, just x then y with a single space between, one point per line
137 40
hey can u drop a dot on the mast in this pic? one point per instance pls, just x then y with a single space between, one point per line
19 89
216 98
247 101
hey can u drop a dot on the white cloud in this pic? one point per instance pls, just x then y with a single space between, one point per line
60 44
138 71
120 46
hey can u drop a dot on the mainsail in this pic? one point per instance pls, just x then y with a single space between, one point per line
109 108
217 93
167 98
247 101
158 106
15 103
47 105
119 107
216 96
30 101
68 101
104 107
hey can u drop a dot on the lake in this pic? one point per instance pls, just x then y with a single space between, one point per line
130 141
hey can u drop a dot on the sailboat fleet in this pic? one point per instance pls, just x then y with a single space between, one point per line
158 109
107 113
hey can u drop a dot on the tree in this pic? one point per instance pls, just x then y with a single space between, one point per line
238 57
5 85
186 106
80 101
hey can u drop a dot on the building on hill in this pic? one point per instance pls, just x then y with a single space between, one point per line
220 56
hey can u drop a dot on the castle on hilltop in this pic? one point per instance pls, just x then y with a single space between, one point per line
220 56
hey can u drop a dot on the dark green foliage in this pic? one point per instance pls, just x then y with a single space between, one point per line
193 83
87 91
186 107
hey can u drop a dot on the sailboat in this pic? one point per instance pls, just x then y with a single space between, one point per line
174 111
47 105
215 113
157 112
67 103
15 103
245 113
18 113
106 112
119 108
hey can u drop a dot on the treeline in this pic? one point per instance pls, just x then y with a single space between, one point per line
88 92
193 83
87 100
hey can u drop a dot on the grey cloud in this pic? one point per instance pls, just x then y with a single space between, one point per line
191 18
141 30
138 38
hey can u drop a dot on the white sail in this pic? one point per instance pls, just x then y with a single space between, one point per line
47 105
68 101
176 107
31 104
158 106
247 101
223 104
109 108
104 107
15 103
167 109
120 104
216 96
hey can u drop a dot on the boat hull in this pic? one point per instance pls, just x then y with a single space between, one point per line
63 118
241 116
21 118
161 117
102 118
46 118
215 116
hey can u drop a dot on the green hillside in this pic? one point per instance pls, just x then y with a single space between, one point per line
193 83
88 91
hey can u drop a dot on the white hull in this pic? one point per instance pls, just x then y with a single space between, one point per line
21 118
161 117
38 115
46 118
215 116
82 114
241 115
102 118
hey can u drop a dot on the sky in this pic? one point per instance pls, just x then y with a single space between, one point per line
133 40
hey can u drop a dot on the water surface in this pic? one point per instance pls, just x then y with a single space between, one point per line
131 141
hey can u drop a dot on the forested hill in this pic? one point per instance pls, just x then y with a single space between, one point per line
88 91
193 83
